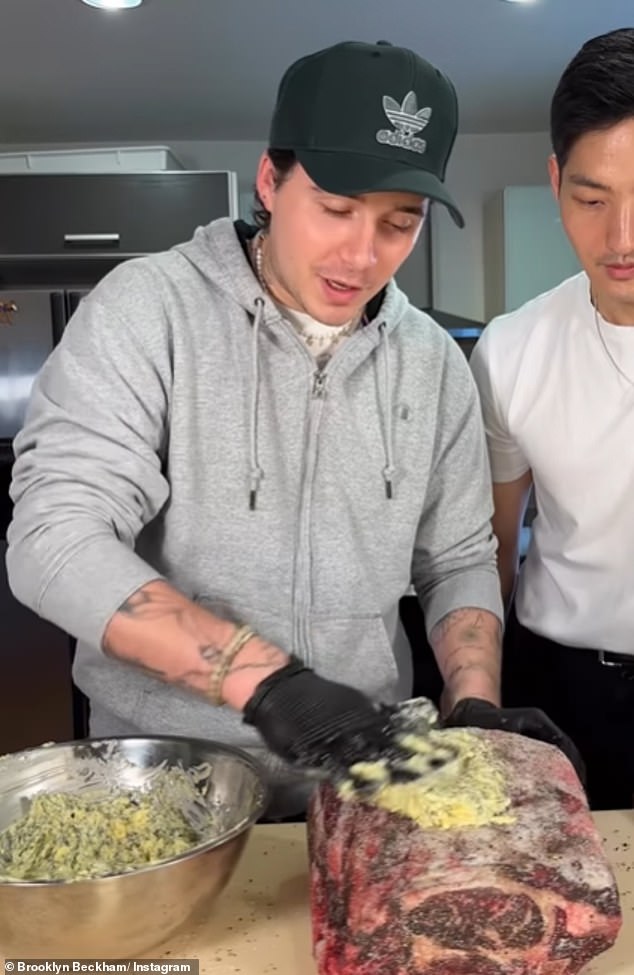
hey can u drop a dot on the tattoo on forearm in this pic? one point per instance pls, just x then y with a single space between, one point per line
467 642
471 628
153 604
193 667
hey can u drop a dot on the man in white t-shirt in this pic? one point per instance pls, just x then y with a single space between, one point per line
556 380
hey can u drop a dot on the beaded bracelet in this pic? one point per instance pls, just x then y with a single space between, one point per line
240 637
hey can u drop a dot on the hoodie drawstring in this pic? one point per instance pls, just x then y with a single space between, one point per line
389 470
255 471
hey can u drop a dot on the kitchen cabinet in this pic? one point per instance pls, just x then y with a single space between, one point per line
526 250
66 215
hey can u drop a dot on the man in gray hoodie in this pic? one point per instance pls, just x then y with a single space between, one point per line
244 451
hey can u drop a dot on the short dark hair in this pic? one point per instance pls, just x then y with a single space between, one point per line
283 162
596 91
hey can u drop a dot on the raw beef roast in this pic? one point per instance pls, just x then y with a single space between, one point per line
533 898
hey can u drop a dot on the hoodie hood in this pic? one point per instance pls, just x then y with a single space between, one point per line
219 252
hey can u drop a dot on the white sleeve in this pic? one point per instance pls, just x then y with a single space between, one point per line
507 460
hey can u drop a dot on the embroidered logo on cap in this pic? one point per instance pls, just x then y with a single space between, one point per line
407 120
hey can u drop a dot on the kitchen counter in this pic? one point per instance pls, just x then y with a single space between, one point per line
261 922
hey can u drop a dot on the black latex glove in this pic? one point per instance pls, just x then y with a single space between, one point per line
531 722
317 723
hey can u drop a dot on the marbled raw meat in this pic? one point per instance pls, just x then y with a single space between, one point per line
534 898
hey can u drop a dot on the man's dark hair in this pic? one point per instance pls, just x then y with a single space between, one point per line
283 162
596 91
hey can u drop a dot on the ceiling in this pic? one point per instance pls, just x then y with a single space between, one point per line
208 69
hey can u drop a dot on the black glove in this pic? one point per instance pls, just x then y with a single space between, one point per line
531 722
317 723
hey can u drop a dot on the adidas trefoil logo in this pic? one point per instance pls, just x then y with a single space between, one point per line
407 120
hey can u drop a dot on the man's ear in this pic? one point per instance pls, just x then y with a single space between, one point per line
554 173
265 181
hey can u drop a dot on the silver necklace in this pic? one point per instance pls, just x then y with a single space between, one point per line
606 349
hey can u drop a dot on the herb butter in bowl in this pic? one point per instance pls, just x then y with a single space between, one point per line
108 846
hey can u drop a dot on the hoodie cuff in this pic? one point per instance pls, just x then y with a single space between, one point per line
477 589
86 592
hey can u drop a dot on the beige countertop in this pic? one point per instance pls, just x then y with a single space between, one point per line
261 922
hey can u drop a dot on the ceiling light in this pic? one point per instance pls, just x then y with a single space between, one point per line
113 4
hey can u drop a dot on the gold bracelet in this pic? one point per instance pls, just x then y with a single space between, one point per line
233 648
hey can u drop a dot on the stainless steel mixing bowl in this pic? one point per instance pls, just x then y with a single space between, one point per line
126 914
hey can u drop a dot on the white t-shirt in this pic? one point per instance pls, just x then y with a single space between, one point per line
554 403
319 338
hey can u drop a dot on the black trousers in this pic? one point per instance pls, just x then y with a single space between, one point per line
592 703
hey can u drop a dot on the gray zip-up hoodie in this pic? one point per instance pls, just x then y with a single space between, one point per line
181 430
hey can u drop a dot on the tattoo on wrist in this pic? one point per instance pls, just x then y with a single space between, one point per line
212 655
269 656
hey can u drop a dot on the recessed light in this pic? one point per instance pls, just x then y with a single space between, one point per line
113 4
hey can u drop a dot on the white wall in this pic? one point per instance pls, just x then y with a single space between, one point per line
480 165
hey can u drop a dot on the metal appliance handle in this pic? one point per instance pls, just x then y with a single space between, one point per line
92 238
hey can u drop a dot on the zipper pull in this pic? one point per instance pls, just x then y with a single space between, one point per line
319 385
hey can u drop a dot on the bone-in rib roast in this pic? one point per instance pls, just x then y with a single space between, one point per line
529 893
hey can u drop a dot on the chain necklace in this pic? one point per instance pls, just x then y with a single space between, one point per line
606 349
256 254
258 262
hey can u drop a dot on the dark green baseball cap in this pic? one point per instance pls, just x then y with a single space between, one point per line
365 118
